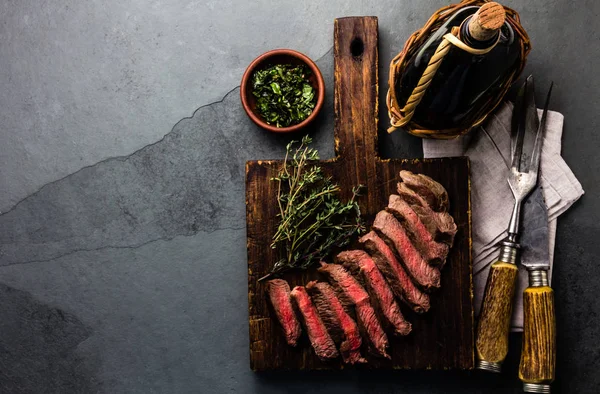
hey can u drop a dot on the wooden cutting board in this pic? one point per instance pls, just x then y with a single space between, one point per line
441 338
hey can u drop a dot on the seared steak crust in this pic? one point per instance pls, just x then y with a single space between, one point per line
435 253
410 196
350 290
392 232
317 333
434 193
342 328
439 224
360 263
397 277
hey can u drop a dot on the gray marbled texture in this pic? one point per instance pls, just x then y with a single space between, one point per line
34 333
122 242
86 80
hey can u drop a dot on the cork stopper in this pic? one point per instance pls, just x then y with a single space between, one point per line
486 21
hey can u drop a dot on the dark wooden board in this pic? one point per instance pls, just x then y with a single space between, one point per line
441 338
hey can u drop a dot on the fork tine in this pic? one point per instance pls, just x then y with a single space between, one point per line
518 126
537 148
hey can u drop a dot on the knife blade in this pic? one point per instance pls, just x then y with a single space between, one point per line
535 244
535 252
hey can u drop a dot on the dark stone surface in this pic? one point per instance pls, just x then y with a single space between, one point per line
191 180
129 275
39 346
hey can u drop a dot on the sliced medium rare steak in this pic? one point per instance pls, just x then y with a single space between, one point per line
434 252
439 224
360 263
411 196
392 232
400 282
371 328
279 294
317 333
350 290
434 193
342 328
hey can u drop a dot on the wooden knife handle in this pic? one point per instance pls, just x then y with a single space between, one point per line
494 319
538 356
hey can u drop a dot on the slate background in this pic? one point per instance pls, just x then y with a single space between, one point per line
122 241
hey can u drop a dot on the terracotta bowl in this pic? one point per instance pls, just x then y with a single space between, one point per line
281 56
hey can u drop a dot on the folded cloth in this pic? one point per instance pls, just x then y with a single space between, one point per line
488 148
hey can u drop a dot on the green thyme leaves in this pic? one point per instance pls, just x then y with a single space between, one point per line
284 95
313 220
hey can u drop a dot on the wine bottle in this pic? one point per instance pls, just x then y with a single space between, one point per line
465 84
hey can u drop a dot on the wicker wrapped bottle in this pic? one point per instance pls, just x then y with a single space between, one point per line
456 70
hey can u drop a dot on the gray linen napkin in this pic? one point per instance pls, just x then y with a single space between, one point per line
491 199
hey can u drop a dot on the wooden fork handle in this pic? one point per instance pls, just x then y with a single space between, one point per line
494 320
538 356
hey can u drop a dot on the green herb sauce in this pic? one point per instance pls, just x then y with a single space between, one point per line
284 96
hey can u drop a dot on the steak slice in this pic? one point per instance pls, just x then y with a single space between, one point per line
350 291
392 232
435 253
360 263
317 333
371 328
400 282
434 193
439 224
341 326
410 196
279 294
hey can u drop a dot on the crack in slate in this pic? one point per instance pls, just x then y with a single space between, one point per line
190 180
121 158
107 247
126 157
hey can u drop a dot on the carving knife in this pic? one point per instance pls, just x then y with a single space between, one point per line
538 354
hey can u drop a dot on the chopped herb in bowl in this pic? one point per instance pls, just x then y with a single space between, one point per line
284 95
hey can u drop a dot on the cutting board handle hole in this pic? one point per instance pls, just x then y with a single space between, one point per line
357 47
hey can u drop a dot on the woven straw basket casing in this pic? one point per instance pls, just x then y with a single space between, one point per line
395 110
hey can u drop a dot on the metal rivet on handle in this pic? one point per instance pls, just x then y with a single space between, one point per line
489 366
536 388
538 278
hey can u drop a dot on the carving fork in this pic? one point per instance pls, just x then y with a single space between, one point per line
496 310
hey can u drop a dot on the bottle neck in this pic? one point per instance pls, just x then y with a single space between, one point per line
467 37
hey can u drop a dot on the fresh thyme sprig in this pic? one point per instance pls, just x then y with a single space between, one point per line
313 220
